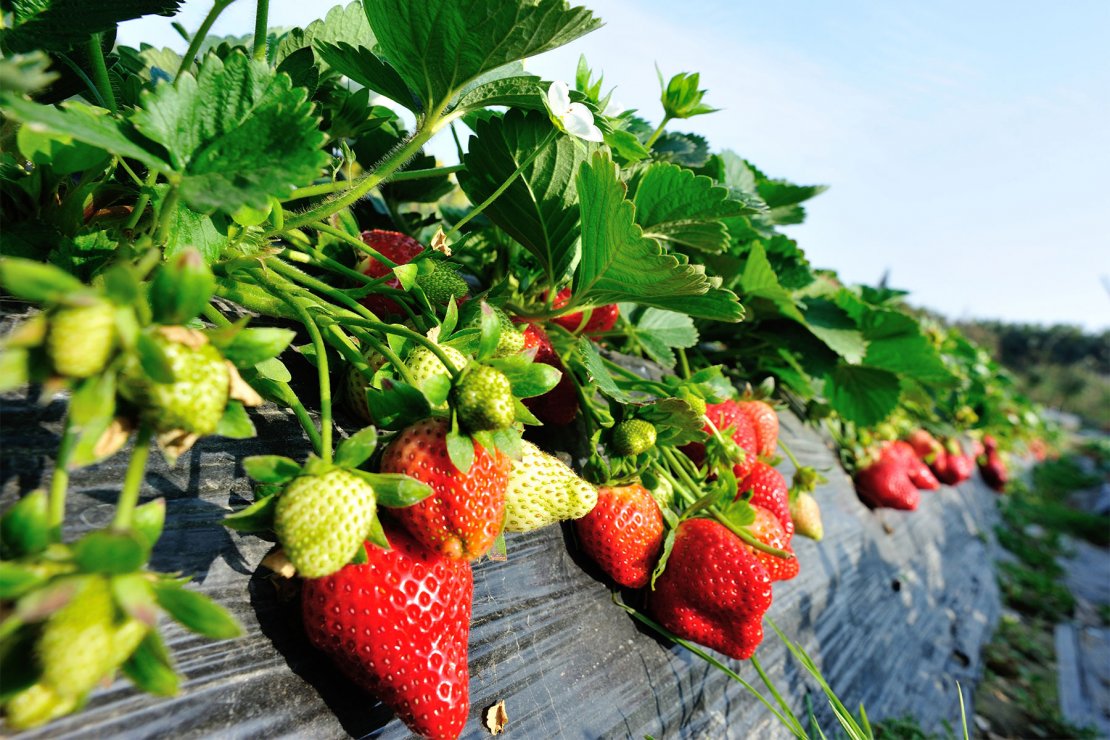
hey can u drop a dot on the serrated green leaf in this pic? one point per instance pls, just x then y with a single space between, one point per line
395 490
619 264
38 281
343 23
687 150
863 395
57 25
438 46
759 281
85 123
539 209
587 354
460 449
659 331
25 73
150 667
676 206
110 552
271 468
361 65
196 612
676 422
62 154
258 517
25 527
836 329
222 127
518 91
895 343
188 229
357 449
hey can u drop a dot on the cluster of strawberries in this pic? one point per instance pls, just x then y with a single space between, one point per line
894 477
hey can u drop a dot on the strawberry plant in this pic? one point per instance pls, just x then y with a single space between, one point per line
247 224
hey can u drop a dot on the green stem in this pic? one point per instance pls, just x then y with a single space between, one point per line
261 14
323 378
306 422
657 132
198 38
166 212
141 204
392 162
100 73
696 650
505 185
790 455
212 314
60 481
683 363
353 241
401 331
133 480
286 270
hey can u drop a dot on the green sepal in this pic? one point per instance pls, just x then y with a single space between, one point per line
436 389
528 378
396 405
271 468
110 552
450 319
258 517
357 449
150 667
235 423
406 275
93 399
121 284
25 527
135 597
19 665
39 282
676 422
460 448
490 332
17 579
524 415
376 535
664 555
181 288
360 557
509 442
15 368
153 359
196 612
394 490
41 603
274 370
147 521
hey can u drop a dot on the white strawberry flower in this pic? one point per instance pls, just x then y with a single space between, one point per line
574 118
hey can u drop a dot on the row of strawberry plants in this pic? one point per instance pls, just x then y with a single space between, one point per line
189 224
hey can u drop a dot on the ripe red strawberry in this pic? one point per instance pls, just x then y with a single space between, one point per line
558 406
885 483
623 534
713 590
766 529
463 516
398 626
770 491
993 469
602 318
951 465
401 249
917 471
924 445
723 416
766 423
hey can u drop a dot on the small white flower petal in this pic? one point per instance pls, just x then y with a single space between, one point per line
612 109
558 98
579 121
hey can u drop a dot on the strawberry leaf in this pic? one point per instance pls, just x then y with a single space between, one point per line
586 353
196 612
895 343
150 667
833 326
539 209
864 395
271 468
676 422
619 264
518 91
221 128
659 331
760 281
189 229
438 46
362 66
63 24
676 206
343 23
357 449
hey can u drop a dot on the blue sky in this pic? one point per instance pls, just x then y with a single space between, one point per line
967 145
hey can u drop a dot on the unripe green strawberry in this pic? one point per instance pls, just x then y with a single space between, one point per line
443 284
195 401
36 706
355 384
483 400
423 365
76 645
543 490
633 436
806 513
697 403
80 339
322 520
511 340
